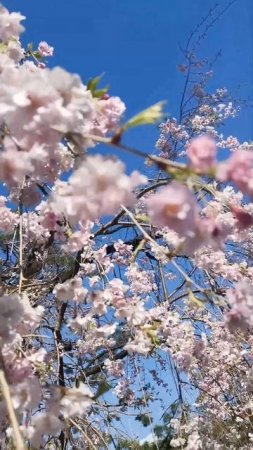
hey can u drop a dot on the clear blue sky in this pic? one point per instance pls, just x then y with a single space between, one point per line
135 42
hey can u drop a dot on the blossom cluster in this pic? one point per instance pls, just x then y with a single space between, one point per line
109 280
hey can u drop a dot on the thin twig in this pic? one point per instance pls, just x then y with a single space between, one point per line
160 162
13 419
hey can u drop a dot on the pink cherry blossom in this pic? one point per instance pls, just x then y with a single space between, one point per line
129 303
174 207
98 187
238 169
202 153
8 219
71 290
76 401
108 114
10 26
45 49
241 301
44 422
243 217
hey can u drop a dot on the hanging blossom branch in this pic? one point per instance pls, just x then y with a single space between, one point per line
111 281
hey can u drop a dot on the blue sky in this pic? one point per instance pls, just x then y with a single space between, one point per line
136 44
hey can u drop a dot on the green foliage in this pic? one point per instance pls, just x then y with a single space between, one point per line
103 387
145 419
92 86
148 116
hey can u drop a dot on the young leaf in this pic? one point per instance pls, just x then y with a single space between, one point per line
103 387
93 84
148 116
194 300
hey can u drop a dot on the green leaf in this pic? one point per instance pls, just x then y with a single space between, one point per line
142 218
30 47
195 301
103 387
148 116
37 55
144 419
3 47
94 82
100 92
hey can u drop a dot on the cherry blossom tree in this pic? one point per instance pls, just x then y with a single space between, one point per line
105 274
